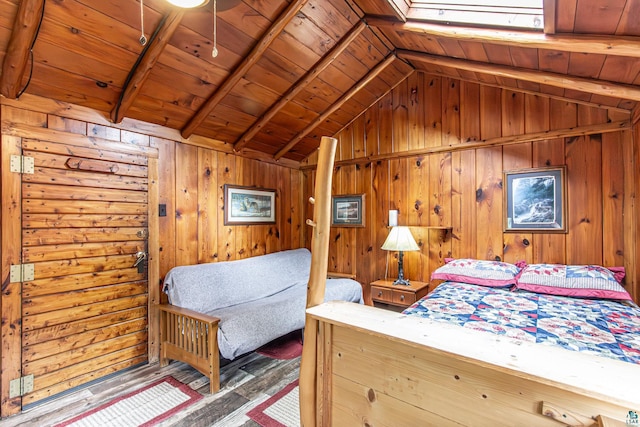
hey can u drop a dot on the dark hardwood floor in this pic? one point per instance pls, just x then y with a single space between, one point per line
245 383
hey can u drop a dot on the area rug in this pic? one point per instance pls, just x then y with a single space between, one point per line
280 410
144 407
285 347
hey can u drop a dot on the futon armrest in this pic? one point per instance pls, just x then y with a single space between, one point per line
201 317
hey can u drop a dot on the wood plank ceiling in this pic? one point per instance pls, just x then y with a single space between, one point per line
289 72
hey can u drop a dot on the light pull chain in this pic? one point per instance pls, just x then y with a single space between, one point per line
143 38
214 52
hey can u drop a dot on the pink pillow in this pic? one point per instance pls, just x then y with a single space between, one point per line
587 281
477 272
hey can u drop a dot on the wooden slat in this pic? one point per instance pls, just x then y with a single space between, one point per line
72 207
36 237
80 250
207 206
78 220
153 262
57 362
82 326
79 179
62 317
186 205
56 270
47 303
11 292
489 180
83 152
226 234
39 192
80 373
584 177
63 344
540 113
74 282
516 246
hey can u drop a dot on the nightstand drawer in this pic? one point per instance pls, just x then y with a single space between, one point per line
381 294
388 295
403 297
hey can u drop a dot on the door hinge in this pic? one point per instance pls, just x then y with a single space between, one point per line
22 273
20 386
22 164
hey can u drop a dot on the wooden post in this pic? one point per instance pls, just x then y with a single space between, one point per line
317 278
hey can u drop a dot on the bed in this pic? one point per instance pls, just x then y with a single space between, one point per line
486 354
602 327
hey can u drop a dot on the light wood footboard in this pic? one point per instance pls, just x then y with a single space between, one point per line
192 338
381 368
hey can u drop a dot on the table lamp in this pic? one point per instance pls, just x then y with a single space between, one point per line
400 239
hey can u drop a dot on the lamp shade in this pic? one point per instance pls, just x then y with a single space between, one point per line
400 239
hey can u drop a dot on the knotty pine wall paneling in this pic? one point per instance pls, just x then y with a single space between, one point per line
434 180
543 113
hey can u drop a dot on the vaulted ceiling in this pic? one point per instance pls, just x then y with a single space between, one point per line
289 72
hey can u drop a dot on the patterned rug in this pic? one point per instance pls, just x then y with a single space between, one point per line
144 407
286 347
280 410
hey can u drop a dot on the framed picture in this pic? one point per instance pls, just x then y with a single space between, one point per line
249 205
347 211
535 200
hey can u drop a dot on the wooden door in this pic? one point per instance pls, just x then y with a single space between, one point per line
84 314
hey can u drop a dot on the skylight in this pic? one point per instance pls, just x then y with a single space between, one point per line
524 14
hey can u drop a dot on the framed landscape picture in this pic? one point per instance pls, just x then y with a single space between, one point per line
348 210
535 200
249 205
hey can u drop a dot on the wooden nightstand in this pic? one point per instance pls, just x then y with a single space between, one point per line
385 292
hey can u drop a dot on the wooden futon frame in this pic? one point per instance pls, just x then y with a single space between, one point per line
192 338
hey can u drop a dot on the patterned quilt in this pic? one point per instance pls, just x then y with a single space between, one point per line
603 327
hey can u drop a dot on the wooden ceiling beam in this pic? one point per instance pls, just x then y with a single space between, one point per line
148 58
25 28
599 87
336 105
301 84
580 43
249 61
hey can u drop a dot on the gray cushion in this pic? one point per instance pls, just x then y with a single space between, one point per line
246 327
206 287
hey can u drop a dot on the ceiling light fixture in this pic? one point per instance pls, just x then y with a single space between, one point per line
188 3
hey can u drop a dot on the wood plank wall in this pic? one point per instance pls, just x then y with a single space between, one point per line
462 188
191 185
